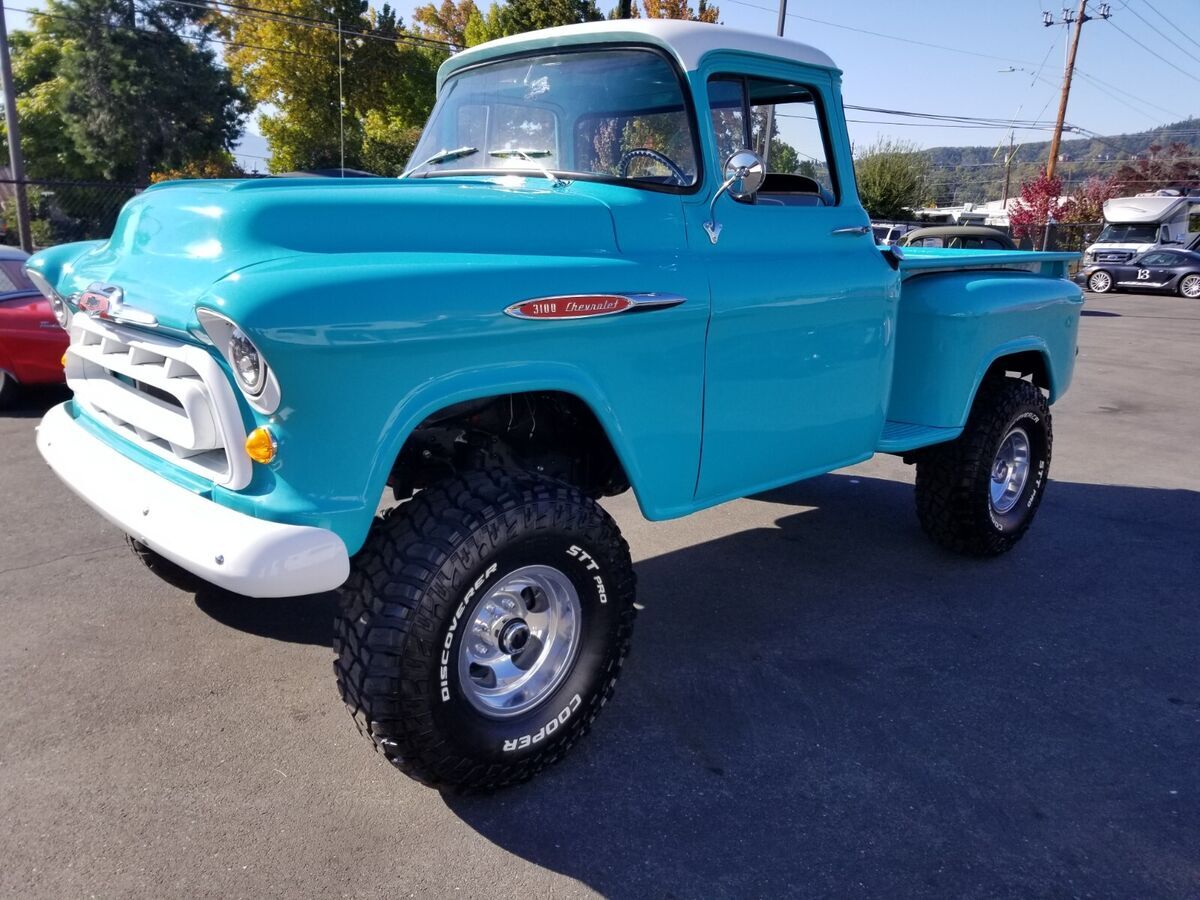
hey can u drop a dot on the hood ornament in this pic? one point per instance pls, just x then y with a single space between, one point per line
107 301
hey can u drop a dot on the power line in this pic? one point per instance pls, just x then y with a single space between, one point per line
199 38
1153 28
890 37
248 11
1172 24
1153 53
1113 87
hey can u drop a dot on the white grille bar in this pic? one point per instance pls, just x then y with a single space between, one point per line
170 398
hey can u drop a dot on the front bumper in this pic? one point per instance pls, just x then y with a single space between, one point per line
240 553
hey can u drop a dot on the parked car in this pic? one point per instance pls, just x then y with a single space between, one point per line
889 233
959 237
515 330
1162 271
31 341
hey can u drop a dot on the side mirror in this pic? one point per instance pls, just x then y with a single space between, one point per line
744 175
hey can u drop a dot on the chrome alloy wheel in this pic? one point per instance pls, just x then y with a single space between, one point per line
1010 471
520 642
1190 286
1099 282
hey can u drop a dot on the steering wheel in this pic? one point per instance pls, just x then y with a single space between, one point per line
646 153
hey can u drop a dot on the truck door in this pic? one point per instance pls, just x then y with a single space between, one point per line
800 343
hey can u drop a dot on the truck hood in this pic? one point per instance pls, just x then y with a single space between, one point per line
174 241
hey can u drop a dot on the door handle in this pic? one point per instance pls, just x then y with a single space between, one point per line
852 229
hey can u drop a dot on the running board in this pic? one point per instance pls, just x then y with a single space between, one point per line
897 437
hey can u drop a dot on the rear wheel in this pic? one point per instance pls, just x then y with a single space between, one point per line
978 495
483 626
1189 286
1100 282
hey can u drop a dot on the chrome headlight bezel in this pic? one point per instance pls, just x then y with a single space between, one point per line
235 345
58 306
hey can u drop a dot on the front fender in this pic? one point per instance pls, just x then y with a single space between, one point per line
365 347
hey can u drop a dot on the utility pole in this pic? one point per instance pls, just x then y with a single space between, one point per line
770 123
16 163
1008 158
1077 19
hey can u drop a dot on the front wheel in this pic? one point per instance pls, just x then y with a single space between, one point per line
978 494
1100 282
483 626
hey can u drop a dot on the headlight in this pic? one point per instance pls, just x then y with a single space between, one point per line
250 370
58 306
247 362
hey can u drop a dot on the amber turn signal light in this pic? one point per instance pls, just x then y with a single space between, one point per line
64 359
260 445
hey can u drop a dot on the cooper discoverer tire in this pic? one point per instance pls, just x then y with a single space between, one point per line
483 626
978 495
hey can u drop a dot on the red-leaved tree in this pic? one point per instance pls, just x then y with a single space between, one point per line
1039 201
1086 204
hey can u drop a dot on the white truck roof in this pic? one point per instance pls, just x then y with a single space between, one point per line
687 41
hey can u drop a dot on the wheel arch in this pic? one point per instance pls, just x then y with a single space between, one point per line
466 387
1027 357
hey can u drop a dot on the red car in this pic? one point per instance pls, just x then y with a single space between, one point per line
31 340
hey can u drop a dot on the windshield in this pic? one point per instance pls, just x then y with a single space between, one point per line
605 114
1128 234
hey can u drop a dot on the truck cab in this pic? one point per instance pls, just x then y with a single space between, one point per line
625 255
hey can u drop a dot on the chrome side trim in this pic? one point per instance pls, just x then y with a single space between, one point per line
591 306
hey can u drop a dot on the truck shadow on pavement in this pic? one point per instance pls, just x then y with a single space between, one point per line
836 707
33 402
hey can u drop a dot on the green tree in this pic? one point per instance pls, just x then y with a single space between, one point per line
114 90
387 82
892 177
463 24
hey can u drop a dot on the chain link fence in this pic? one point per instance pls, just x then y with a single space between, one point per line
62 211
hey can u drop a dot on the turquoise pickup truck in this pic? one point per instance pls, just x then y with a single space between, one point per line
626 256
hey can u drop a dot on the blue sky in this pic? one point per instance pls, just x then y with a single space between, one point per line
1001 62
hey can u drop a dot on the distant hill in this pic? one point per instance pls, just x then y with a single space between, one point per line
975 174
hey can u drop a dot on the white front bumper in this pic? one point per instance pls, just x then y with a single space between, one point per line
243 554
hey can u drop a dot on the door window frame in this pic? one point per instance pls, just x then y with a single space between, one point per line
818 101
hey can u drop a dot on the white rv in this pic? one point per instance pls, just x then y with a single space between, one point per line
1133 225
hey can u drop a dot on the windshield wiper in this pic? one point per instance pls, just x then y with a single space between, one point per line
442 156
530 156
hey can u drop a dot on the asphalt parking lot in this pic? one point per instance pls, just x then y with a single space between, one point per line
819 702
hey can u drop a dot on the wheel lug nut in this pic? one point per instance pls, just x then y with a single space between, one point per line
481 649
509 603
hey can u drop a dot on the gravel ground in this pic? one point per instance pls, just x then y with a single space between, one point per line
818 703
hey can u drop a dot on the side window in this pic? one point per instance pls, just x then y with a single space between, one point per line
1170 259
1155 259
782 122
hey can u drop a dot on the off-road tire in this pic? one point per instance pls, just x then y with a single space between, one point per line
953 479
425 566
173 574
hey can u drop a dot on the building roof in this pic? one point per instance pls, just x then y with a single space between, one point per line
687 41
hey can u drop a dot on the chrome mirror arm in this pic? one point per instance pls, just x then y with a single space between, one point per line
712 227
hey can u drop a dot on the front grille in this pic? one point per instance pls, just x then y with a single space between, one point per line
167 397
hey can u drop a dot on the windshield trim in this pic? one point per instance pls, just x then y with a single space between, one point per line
689 108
